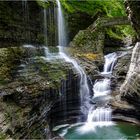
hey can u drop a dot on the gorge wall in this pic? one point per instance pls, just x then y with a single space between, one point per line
21 25
127 102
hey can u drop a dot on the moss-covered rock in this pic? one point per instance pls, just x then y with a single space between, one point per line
103 34
29 87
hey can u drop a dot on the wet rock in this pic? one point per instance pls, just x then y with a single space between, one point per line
132 8
127 98
127 103
87 41
29 95
122 66
130 89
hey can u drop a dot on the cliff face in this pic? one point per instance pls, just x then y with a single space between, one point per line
128 101
132 82
132 8
20 23
130 90
33 91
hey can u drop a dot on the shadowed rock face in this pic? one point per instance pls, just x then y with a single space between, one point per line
32 90
133 8
130 90
17 25
22 23
127 73
67 108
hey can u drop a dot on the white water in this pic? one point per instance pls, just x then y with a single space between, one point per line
101 88
84 89
101 115
110 60
50 56
28 46
62 39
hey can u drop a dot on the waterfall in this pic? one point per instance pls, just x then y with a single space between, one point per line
110 60
25 10
45 26
99 115
101 88
62 39
84 88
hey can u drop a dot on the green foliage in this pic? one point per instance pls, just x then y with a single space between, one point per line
43 3
127 30
120 32
109 8
54 71
114 8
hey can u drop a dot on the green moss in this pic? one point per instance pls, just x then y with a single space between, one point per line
113 34
54 71
41 38
9 59
44 4
2 136
109 8
120 32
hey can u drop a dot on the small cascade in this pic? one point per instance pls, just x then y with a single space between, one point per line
110 60
45 26
49 55
102 115
25 10
99 115
101 87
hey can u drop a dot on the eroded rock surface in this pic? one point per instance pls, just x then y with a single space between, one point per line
127 100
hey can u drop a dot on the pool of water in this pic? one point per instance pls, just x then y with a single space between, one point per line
121 131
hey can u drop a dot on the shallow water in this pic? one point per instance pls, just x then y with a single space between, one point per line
121 131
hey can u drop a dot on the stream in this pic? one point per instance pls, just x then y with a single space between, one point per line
95 108
99 124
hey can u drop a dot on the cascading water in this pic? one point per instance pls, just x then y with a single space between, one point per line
110 60
101 88
45 25
100 115
62 41
25 10
84 88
